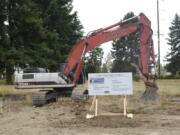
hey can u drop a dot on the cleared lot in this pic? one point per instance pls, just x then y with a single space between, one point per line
68 117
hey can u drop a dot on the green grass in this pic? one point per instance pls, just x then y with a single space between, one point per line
7 89
2 82
170 86
10 89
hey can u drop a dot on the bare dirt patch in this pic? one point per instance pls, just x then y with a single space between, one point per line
68 117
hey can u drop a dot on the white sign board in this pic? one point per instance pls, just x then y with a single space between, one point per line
110 83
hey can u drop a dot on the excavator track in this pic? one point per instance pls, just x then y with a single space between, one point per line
43 97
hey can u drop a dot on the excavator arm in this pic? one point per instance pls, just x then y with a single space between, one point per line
139 24
61 84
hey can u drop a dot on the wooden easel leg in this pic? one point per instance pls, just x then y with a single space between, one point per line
96 107
93 102
125 106
1 108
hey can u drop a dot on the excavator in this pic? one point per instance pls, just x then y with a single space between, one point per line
63 82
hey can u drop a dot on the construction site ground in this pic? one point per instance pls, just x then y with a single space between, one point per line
67 117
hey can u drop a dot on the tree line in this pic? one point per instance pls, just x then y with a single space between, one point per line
41 33
36 33
125 50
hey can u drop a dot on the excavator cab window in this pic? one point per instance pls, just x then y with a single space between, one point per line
35 70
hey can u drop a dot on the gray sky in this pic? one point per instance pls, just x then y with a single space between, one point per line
95 14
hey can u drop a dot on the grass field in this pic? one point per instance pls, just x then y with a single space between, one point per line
2 82
10 89
166 86
170 86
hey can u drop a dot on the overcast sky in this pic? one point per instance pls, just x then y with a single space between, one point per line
95 14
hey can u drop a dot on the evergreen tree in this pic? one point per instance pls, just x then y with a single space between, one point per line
108 62
23 33
125 51
173 57
104 68
94 60
3 34
63 30
37 33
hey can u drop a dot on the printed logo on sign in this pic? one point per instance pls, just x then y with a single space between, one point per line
97 80
106 92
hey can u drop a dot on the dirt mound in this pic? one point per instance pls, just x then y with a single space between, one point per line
113 122
70 117
74 115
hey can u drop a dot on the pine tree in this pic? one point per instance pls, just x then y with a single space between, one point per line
104 68
22 33
3 34
108 62
39 33
94 60
63 30
173 57
125 51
